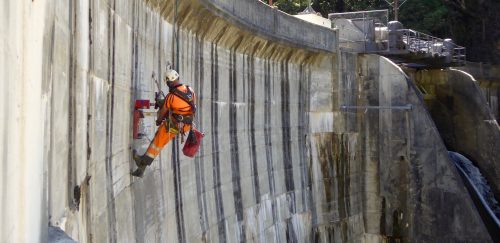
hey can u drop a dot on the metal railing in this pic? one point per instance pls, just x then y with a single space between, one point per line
379 16
421 43
370 23
368 32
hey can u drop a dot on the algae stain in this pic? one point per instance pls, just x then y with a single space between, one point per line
325 158
341 161
396 228
333 156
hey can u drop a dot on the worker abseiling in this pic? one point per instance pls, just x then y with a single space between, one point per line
175 117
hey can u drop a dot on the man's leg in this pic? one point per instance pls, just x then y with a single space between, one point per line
162 137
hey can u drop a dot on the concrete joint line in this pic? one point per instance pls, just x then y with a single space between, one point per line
399 107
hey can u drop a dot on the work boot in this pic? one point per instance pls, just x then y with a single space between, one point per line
142 162
139 172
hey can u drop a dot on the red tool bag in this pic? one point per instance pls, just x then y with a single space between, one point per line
193 143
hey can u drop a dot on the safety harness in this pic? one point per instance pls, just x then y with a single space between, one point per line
188 97
176 125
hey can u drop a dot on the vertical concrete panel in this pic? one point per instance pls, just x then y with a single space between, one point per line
121 125
60 120
22 166
81 62
370 150
98 198
100 43
121 107
11 203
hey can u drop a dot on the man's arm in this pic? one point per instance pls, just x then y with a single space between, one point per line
194 95
163 110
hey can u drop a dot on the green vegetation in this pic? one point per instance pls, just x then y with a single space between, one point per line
474 24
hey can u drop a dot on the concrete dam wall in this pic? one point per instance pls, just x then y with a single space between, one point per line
281 161
466 124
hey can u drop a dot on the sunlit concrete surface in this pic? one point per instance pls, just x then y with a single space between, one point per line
280 161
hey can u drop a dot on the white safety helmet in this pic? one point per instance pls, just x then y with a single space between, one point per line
172 75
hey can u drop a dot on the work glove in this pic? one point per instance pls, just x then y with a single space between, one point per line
159 99
159 103
159 95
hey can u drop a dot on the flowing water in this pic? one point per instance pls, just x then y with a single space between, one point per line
477 179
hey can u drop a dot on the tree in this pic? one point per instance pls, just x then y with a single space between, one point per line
291 6
428 16
470 23
476 24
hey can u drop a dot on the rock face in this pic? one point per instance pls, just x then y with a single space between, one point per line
280 162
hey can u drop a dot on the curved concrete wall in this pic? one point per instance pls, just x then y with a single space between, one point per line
22 199
280 161
391 178
464 119
416 179
488 78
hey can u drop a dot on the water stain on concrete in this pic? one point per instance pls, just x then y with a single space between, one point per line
251 121
179 208
214 116
199 160
234 149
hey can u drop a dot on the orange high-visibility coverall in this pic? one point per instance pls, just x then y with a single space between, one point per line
175 105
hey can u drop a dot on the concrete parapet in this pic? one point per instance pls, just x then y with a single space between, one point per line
270 23
250 27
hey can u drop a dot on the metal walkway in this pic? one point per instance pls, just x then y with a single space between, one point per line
371 32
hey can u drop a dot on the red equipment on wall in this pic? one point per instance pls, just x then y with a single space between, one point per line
139 114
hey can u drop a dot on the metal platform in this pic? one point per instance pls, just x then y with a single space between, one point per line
371 32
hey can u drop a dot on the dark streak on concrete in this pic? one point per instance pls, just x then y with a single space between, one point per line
161 165
268 141
159 69
286 148
233 136
109 129
71 104
138 219
179 210
302 130
251 117
199 160
382 223
315 236
416 171
333 156
290 232
214 115
89 112
309 161
86 191
330 232
498 106
326 158
323 233
341 161
285 127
